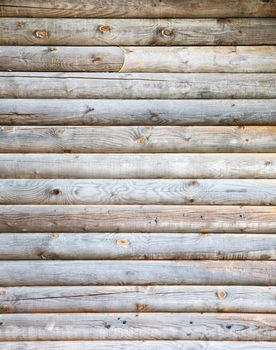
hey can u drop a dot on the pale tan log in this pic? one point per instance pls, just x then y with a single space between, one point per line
137 85
138 345
142 32
139 191
143 326
138 9
106 246
148 139
233 59
142 166
73 59
129 272
137 218
137 112
138 299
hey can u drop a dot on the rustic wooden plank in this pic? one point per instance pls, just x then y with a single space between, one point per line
137 85
138 9
138 345
79 59
138 191
82 246
141 139
131 59
137 112
143 326
138 299
150 272
145 32
134 166
137 218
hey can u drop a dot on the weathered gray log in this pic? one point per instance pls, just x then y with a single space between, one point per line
129 59
79 59
137 112
134 166
81 246
143 326
137 85
133 32
136 218
139 139
138 191
138 9
150 272
138 299
138 345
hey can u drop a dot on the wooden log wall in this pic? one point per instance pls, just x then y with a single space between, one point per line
138 175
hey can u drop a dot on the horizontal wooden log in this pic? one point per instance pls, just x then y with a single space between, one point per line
142 139
137 218
138 345
150 191
142 32
137 112
143 326
138 299
81 246
138 9
134 166
151 272
233 59
69 59
137 85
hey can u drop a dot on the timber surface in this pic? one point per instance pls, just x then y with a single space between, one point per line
138 175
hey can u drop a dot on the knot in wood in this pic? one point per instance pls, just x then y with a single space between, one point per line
166 32
221 294
41 34
3 292
104 29
20 24
124 243
55 192
141 307
141 140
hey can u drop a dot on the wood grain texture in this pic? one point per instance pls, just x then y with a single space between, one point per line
142 32
131 59
150 272
138 191
136 112
137 218
138 9
138 85
66 59
137 345
138 299
134 166
142 139
131 326
82 246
